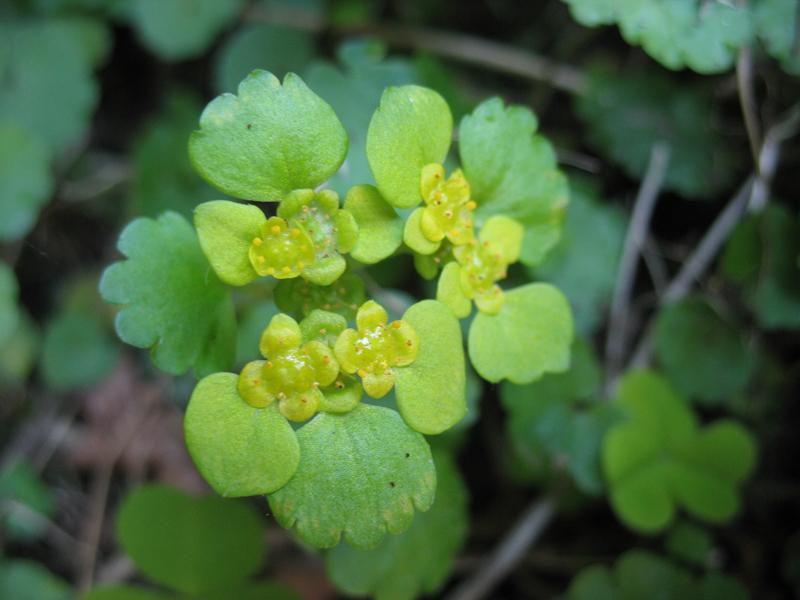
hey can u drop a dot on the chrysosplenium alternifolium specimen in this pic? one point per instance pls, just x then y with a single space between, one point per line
301 423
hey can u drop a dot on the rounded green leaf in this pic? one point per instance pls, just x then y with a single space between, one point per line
62 367
361 474
9 312
530 336
380 228
171 300
430 391
226 231
25 181
29 580
125 592
268 140
240 450
413 563
260 590
190 543
411 128
703 354
414 238
184 29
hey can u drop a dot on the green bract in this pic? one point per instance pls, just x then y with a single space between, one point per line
415 562
171 301
239 449
410 129
361 474
659 458
269 140
191 544
530 336
380 228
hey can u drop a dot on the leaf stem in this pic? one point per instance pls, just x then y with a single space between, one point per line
744 84
509 552
617 336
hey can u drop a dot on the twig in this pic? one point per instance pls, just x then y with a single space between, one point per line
744 84
617 337
456 46
752 194
508 553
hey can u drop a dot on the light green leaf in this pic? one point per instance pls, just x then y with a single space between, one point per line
627 114
414 238
449 291
268 140
190 543
380 228
677 33
431 390
658 459
163 177
361 474
703 355
63 368
512 171
171 300
261 46
25 181
530 336
411 128
9 312
181 29
584 263
776 25
41 61
254 320
413 563
28 580
239 449
226 231
354 91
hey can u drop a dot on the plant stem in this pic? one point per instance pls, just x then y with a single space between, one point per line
455 46
744 84
509 552
617 337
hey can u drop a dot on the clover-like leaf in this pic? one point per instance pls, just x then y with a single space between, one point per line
240 450
666 112
190 543
269 140
640 574
41 60
28 502
29 580
25 181
702 353
380 228
226 231
431 390
410 129
684 33
512 171
530 336
415 562
584 263
361 474
333 231
180 30
559 414
300 297
691 543
171 300
658 458
776 26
